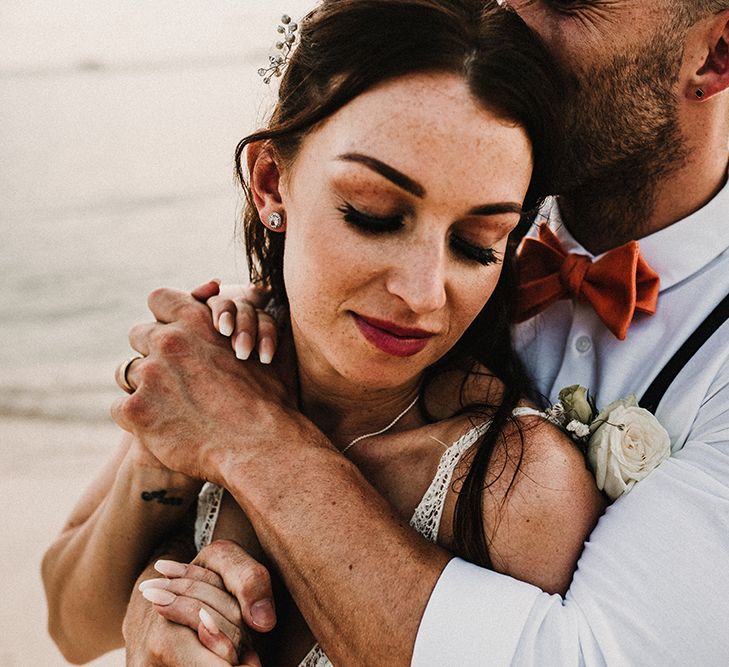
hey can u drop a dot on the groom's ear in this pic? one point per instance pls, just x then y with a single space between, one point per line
708 56
265 178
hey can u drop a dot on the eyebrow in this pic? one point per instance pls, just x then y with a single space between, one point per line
496 209
413 187
390 173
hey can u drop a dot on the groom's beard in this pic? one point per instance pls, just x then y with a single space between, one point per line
622 136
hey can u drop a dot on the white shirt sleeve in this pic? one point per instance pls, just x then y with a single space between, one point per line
651 588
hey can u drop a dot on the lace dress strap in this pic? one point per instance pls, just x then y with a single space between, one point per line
429 512
208 508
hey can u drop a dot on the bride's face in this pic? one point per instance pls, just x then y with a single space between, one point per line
398 210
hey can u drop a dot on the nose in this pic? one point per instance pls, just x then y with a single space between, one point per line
418 277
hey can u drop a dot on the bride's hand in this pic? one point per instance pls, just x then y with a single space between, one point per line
196 596
238 314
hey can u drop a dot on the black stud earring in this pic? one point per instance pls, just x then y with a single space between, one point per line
699 93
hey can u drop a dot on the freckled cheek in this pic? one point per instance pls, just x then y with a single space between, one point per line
324 264
469 300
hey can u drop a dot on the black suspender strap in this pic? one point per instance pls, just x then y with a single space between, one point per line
660 385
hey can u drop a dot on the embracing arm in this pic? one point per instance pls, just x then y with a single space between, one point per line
343 537
90 569
344 554
651 586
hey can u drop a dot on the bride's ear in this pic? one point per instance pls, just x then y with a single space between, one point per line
265 181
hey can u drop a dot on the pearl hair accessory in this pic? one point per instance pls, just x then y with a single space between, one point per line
287 29
275 220
382 430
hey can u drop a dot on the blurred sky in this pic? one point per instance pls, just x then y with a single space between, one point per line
118 122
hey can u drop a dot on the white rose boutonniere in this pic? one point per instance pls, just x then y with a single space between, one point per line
623 444
626 444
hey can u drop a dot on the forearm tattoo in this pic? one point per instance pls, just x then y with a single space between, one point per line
161 497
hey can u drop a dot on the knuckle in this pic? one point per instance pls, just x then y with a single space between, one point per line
157 293
195 313
187 587
136 330
223 547
149 373
267 328
254 578
170 342
245 314
136 410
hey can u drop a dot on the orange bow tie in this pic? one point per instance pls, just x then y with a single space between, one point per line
617 285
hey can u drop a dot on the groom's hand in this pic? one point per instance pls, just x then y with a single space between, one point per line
195 406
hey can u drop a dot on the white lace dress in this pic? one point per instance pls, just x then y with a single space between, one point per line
425 519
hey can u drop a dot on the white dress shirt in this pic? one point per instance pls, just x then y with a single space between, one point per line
652 586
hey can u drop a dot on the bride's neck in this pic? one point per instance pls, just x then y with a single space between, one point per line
344 411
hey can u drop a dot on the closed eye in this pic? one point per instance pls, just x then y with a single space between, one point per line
369 223
469 251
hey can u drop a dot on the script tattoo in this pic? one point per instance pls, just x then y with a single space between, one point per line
161 497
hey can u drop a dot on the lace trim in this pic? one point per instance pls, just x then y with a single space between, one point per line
316 658
429 512
208 508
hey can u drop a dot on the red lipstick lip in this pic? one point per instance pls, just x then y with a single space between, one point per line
392 339
394 329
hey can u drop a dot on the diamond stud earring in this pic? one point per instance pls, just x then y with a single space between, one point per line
275 220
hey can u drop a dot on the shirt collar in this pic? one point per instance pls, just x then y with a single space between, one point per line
675 252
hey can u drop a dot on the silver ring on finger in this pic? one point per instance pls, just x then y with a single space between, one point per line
122 374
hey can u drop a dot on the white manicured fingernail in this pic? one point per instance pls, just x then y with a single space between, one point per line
225 324
207 620
154 583
170 568
243 346
160 597
265 350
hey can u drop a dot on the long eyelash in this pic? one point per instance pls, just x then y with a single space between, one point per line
375 225
370 223
485 256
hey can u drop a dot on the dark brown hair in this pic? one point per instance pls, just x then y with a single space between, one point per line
348 46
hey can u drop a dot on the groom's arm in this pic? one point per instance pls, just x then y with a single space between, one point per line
651 586
360 576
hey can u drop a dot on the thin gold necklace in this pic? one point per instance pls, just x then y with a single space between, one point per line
382 430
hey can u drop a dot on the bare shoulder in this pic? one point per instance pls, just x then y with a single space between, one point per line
540 503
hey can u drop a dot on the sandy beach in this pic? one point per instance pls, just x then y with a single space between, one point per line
47 465
118 123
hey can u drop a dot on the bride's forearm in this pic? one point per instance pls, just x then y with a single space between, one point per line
342 551
90 569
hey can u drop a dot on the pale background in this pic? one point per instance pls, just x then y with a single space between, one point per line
118 122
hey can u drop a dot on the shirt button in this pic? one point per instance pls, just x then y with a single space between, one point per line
583 344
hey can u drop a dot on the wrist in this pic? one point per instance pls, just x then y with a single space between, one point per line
256 473
156 492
